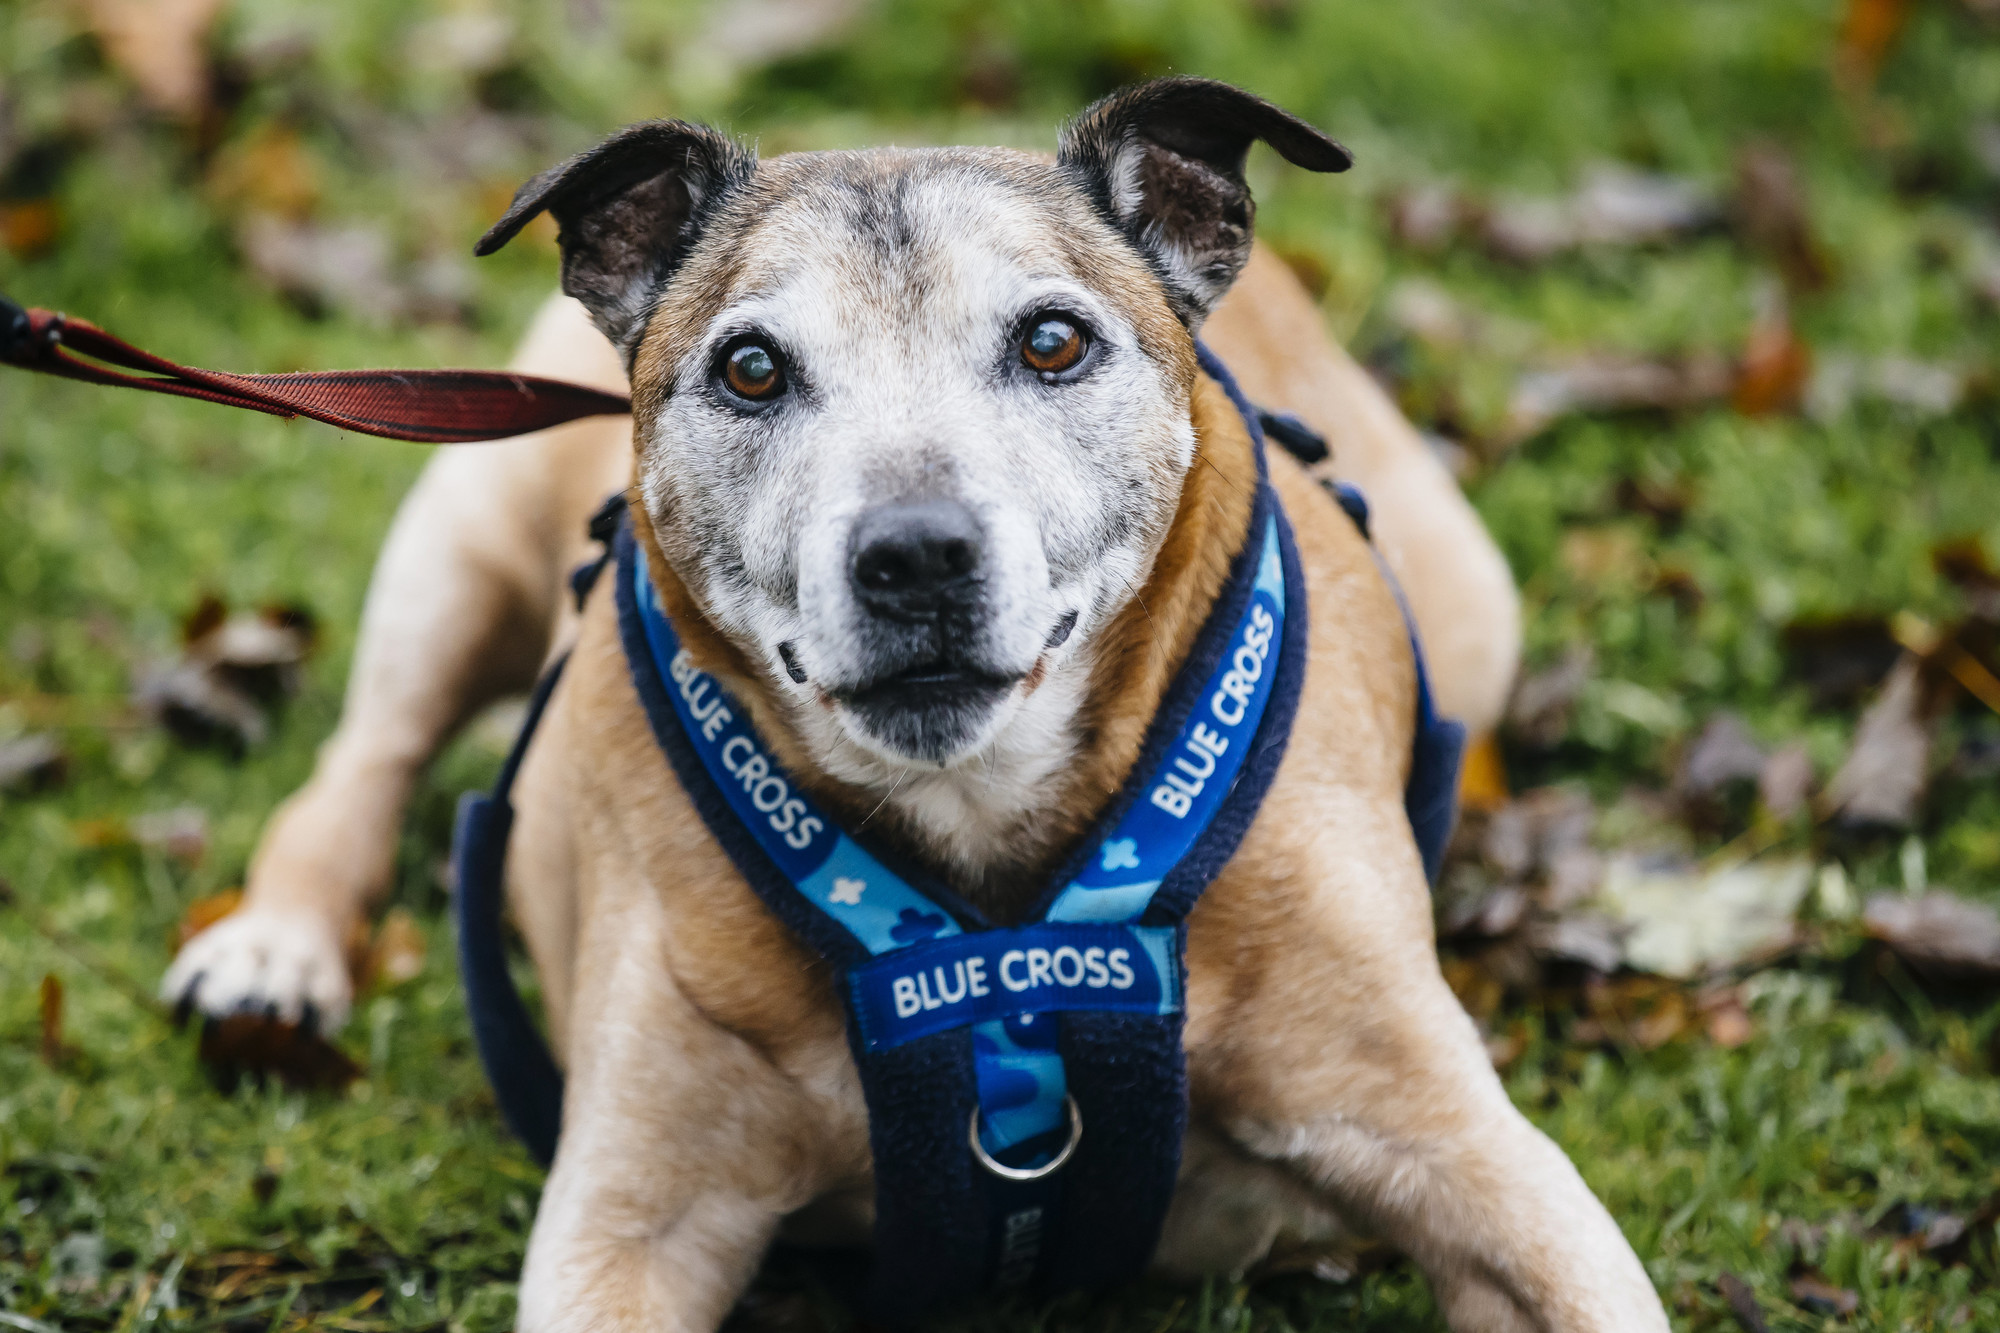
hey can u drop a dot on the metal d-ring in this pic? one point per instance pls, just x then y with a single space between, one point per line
1050 1167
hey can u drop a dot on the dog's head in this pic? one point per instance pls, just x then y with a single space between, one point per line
913 424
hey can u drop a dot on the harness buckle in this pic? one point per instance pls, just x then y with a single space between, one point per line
1020 1173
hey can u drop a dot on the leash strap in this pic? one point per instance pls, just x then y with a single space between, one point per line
429 406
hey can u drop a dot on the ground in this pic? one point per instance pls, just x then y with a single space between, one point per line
1847 1133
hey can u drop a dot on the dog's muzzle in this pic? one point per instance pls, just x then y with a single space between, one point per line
917 572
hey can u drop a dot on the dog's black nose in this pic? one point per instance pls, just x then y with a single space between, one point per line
913 561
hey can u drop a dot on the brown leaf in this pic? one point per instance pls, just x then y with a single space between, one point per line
1883 779
1772 216
1727 1021
1742 1303
233 669
257 1046
397 954
1666 1021
1539 713
52 1020
1868 30
1785 781
161 45
1776 363
1840 660
203 913
29 227
1482 782
1603 383
1811 1291
34 762
1614 206
1724 753
1939 934
270 173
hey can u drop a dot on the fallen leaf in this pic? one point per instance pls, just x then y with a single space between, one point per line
1667 1020
1742 1303
1882 781
1482 781
252 1045
468 42
1611 383
270 172
1772 216
1614 206
1682 921
1727 1022
203 913
1776 362
1841 659
1595 941
1539 713
1723 754
161 45
34 762
52 1020
1426 216
1785 781
233 669
1921 389
1939 934
181 833
29 227
1611 555
397 954
1811 1291
1868 30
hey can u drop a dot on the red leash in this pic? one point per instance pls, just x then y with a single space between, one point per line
430 406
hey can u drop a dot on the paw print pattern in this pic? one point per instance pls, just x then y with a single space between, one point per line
914 927
1120 854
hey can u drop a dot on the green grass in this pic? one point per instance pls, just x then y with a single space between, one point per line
123 1164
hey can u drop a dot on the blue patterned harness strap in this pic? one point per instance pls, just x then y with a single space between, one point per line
1025 1085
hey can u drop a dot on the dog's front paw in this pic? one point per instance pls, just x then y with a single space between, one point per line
284 965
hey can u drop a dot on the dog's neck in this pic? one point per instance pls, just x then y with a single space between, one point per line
994 826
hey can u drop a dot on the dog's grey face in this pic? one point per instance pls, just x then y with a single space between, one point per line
910 437
912 425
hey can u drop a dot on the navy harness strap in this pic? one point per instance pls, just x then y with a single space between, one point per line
525 1079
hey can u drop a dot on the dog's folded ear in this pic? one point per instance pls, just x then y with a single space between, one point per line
628 210
1164 161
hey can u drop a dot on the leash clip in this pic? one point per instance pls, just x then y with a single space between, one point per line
1018 1173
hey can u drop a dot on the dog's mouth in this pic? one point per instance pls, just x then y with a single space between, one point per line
928 685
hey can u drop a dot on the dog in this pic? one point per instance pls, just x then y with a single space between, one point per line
983 363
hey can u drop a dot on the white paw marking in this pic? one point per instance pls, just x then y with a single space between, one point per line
263 962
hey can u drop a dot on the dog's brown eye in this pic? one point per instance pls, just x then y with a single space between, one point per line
752 372
1052 345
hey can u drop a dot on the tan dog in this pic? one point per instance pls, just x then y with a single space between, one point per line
987 354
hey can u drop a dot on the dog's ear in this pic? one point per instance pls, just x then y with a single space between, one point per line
627 212
1164 161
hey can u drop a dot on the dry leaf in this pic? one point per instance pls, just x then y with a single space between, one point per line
1539 713
1868 30
1882 781
397 954
1811 1291
1772 216
1939 934
1840 660
203 913
1683 921
1728 1023
1742 1303
161 45
271 172
52 1019
1611 383
29 227
1482 782
234 668
1776 363
1595 941
34 762
1614 206
1723 754
1785 781
250 1044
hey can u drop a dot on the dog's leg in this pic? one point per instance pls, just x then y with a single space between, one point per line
459 611
1355 1067
682 1144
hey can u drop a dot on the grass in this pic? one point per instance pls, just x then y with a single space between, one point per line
135 1194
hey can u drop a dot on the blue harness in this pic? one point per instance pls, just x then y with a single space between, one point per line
1026 1084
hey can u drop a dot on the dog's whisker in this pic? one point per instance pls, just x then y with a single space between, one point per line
885 799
